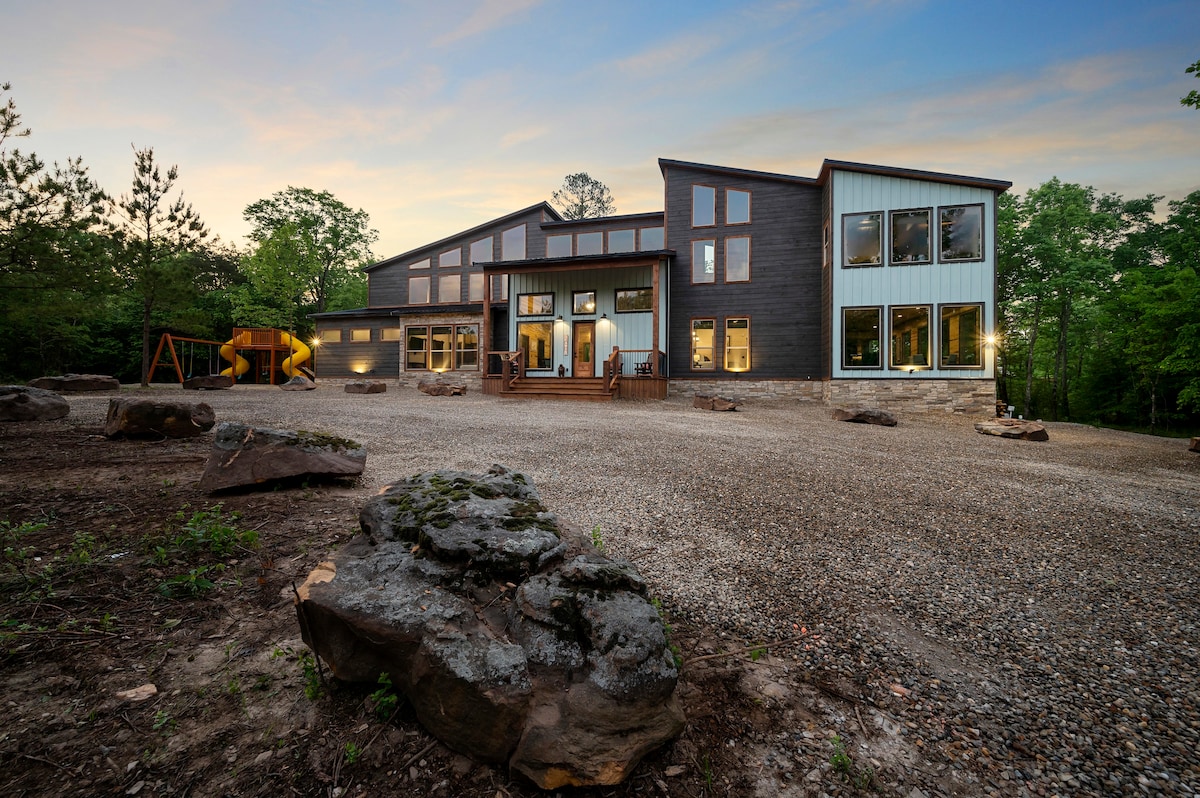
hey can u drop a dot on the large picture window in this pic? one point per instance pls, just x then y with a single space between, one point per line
450 288
737 206
910 237
536 340
481 250
703 333
620 240
960 233
589 244
441 347
961 336
704 206
630 300
861 239
704 261
652 238
418 290
535 304
512 243
737 259
558 246
861 339
737 344
909 332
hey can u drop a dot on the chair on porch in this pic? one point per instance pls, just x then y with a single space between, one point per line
645 368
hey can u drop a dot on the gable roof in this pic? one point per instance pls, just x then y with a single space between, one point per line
543 206
828 167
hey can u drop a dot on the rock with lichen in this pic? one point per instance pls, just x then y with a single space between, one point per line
245 456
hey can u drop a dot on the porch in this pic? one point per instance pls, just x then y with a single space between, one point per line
626 374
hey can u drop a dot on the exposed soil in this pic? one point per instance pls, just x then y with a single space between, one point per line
101 592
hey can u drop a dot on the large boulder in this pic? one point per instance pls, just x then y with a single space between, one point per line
208 382
512 637
1013 428
244 456
22 403
1195 447
441 387
865 415
77 382
366 386
706 401
298 383
137 418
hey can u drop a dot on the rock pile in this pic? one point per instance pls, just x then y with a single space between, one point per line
706 401
441 387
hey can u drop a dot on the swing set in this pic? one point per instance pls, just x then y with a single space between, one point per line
262 344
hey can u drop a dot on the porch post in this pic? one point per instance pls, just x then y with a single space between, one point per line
486 332
654 332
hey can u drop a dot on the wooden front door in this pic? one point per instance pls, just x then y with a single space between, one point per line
583 363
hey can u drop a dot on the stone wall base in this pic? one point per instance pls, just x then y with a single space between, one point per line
804 390
972 397
472 379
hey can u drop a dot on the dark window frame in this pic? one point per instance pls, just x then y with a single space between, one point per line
846 217
528 363
575 311
929 340
892 237
980 335
982 232
879 309
521 310
617 299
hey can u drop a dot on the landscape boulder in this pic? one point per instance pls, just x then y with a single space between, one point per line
512 637
208 382
366 386
244 456
22 403
1195 447
865 415
298 383
77 382
1013 428
441 387
136 418
706 401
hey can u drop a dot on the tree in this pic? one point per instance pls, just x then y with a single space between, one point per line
1193 97
277 277
158 238
583 197
327 239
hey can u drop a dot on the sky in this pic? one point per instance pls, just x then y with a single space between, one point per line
436 117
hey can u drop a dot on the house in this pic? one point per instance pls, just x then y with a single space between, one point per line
864 285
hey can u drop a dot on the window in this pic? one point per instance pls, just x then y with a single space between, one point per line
466 347
861 239
481 250
910 337
583 302
961 233
652 239
450 288
910 237
631 300
512 243
861 340
961 338
704 206
441 347
737 344
737 259
703 331
475 287
620 241
329 336
360 336
589 244
451 258
737 206
418 290
389 334
535 304
500 287
558 246
704 261
421 264
534 338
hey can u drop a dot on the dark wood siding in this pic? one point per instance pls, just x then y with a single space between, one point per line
375 358
784 296
827 270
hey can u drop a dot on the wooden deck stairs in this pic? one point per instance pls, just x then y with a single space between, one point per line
579 389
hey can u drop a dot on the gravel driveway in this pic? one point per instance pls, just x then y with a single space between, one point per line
1027 613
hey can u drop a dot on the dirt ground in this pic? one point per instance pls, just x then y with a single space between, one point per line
117 573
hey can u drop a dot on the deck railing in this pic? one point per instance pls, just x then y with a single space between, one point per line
510 366
642 363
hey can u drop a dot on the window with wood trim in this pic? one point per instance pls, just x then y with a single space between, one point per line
862 239
737 259
329 336
536 340
703 335
737 206
704 206
450 288
418 290
704 261
421 264
475 287
589 244
390 334
737 344
450 258
558 246
620 240
441 347
512 243
481 251
466 347
652 238
361 335
862 338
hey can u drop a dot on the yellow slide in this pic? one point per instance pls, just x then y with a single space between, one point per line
300 353
240 364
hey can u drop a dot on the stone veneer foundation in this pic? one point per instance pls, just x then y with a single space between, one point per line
971 397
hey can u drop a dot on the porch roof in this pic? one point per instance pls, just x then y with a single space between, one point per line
618 260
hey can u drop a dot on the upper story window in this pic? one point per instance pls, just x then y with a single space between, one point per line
910 237
450 258
421 264
450 288
737 206
704 206
583 303
620 241
737 259
535 304
961 233
652 239
512 243
475 287
704 261
558 246
589 244
481 250
862 239
418 290
630 300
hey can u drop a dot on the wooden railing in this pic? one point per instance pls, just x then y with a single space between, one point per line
612 369
643 363
512 367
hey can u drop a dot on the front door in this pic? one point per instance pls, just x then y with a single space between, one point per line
583 363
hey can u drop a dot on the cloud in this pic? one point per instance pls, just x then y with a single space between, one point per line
489 15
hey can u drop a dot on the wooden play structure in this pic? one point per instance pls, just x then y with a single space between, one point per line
254 355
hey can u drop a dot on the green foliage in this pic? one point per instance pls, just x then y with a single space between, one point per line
384 699
583 197
18 558
352 753
192 584
1192 98
597 539
208 531
844 767
312 675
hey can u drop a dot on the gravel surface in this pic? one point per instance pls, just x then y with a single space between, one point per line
1012 618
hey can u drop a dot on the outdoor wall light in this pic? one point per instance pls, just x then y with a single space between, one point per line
603 317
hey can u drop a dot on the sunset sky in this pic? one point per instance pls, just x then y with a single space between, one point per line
435 117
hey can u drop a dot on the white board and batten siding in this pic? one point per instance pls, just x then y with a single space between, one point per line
930 284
